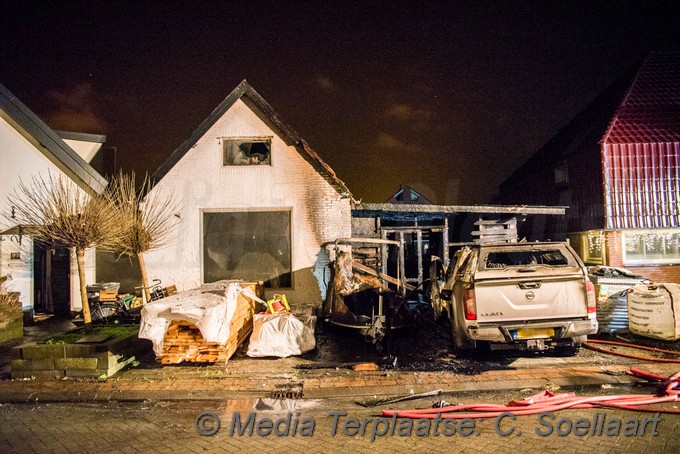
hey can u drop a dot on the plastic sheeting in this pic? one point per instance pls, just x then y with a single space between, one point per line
209 308
281 335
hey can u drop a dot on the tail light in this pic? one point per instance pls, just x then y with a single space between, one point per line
592 301
470 305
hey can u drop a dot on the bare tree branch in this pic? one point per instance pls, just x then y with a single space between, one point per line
149 217
59 213
56 212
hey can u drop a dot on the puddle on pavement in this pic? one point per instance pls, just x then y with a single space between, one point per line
285 405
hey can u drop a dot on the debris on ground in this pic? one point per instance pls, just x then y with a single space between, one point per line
358 366
366 367
548 401
391 400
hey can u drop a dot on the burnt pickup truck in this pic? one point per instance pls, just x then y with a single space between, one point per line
516 296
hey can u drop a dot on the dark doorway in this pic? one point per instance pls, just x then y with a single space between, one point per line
51 280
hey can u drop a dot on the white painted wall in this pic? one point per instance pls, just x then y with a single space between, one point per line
199 182
86 150
21 161
20 269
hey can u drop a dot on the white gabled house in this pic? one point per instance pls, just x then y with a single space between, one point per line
47 280
255 202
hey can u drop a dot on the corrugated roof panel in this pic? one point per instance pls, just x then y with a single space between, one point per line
642 185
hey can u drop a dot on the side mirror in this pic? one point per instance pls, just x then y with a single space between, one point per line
445 294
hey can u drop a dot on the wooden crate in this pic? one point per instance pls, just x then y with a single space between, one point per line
184 342
108 295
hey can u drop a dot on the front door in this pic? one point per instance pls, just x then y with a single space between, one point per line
51 280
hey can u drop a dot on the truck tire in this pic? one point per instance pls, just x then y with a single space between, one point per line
459 344
567 351
572 348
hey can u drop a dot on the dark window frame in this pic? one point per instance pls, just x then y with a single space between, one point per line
246 151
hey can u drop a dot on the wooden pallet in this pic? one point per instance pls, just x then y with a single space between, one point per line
184 342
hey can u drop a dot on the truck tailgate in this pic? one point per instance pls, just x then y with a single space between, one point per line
535 298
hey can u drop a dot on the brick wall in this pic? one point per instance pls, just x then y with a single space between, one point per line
657 273
200 182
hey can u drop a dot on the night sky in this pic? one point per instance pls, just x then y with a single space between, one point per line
448 97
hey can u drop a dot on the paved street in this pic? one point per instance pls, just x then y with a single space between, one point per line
152 408
170 427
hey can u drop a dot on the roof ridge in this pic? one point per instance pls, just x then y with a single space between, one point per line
288 134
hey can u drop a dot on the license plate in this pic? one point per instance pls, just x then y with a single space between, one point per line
534 333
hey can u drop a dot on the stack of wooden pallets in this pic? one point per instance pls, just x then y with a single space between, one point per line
183 341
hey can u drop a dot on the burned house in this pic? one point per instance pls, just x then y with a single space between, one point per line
616 166
255 202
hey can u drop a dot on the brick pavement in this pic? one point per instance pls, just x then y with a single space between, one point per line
216 383
169 427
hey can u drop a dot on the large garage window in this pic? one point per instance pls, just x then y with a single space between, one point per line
249 245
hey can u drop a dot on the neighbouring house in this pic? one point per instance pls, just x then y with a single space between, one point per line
617 165
255 203
46 279
406 194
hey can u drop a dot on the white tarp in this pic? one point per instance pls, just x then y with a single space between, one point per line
209 308
654 311
281 335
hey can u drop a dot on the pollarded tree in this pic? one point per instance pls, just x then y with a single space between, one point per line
150 219
57 212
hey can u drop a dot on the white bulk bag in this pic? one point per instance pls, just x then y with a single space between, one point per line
654 311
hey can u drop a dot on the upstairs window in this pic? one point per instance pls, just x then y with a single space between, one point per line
561 173
247 151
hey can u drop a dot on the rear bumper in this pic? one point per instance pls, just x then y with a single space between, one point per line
506 333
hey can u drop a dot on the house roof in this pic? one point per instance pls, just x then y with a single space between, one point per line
248 94
650 112
379 209
641 150
94 138
49 143
583 131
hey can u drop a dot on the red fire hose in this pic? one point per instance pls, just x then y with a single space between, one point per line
547 401
589 346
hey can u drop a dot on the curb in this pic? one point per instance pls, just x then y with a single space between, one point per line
366 385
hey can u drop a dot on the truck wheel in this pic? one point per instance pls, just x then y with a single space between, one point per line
567 350
459 345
